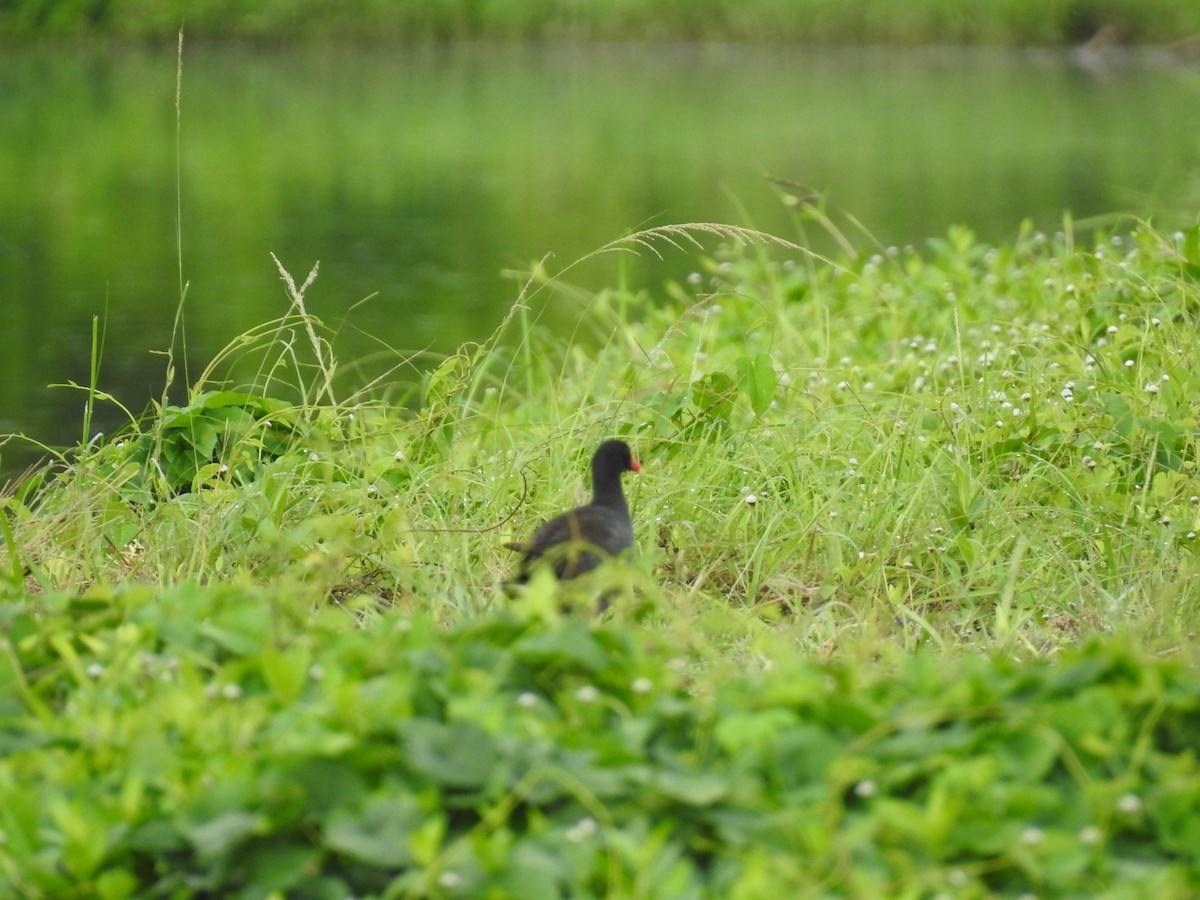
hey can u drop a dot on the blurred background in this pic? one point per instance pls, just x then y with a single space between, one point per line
419 155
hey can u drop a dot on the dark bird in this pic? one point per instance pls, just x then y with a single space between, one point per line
578 540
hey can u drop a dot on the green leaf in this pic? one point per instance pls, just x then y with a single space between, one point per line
281 865
1173 811
758 381
713 397
378 833
756 729
696 789
534 873
286 672
240 629
571 643
446 380
458 755
215 838
116 884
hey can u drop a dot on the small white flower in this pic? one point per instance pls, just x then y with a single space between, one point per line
865 788
316 672
1032 836
313 456
750 499
527 699
1111 329
231 691
582 830
1151 387
398 456
642 686
587 694
450 880
95 670
1130 804
1090 836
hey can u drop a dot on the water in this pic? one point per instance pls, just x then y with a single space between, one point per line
417 177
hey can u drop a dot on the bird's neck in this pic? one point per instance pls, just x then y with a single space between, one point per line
610 496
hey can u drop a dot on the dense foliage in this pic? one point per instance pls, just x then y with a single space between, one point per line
913 614
223 742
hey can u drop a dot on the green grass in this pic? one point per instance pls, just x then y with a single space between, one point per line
813 21
913 608
964 446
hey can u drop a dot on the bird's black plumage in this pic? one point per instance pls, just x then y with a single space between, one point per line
578 540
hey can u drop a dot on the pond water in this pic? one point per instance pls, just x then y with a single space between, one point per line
417 178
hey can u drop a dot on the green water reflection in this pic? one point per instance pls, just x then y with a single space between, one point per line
418 177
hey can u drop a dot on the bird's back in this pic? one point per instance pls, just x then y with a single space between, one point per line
579 540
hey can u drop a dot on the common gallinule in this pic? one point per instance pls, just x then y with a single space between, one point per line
578 540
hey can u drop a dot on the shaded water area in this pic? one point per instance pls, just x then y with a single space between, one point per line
418 177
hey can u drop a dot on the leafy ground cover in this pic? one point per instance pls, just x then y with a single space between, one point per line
913 612
227 742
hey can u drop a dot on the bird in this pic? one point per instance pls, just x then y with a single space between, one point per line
577 541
